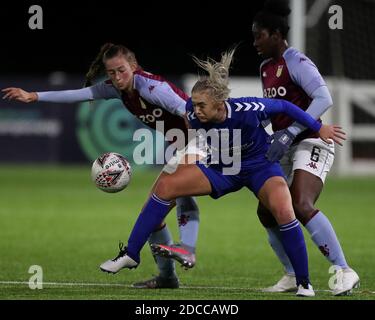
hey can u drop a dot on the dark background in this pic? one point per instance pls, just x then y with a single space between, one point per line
163 34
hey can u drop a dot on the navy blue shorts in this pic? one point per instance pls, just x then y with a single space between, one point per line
252 177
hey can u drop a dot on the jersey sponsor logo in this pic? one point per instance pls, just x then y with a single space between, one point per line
274 92
312 165
149 118
279 71
253 106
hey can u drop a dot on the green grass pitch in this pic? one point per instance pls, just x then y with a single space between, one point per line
54 217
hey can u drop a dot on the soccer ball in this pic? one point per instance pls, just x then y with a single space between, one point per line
111 172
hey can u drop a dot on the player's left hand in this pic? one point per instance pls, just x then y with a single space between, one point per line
282 140
329 133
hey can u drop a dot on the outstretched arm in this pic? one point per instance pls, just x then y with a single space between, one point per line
64 96
98 91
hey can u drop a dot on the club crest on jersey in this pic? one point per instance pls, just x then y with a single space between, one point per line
264 74
279 71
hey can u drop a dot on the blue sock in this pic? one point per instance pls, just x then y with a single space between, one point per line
295 248
324 237
188 222
149 219
274 239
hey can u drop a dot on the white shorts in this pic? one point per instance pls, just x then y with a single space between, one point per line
312 155
195 146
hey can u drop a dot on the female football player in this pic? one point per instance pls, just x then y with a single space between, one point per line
288 74
238 122
150 98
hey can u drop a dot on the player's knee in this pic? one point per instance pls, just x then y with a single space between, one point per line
164 189
304 209
283 214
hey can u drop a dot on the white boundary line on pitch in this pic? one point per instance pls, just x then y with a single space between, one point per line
70 284
87 284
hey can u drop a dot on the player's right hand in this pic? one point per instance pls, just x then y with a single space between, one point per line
329 133
282 140
19 95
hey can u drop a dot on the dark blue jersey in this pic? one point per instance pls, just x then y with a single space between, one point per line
244 117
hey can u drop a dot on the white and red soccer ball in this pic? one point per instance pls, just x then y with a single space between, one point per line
111 172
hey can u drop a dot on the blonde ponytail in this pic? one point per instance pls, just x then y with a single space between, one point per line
218 76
